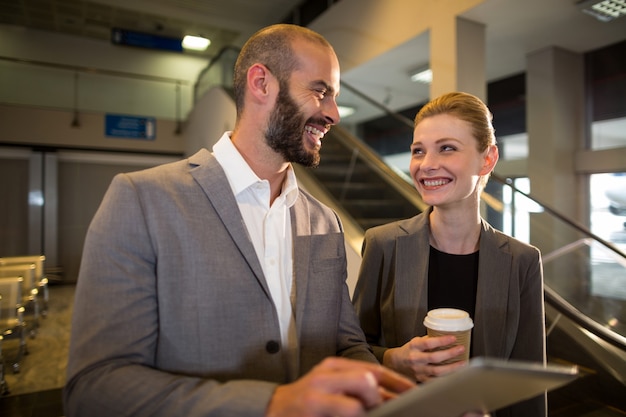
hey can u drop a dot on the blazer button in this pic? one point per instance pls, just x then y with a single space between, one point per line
272 347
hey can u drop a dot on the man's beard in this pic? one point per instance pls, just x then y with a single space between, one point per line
285 131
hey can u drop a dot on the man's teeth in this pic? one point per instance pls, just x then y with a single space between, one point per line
314 131
434 183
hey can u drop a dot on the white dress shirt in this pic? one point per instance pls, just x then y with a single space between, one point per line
269 228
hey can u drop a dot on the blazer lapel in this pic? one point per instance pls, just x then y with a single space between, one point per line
301 232
492 294
210 176
411 293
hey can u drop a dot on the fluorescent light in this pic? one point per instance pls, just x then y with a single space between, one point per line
196 43
423 75
345 111
604 11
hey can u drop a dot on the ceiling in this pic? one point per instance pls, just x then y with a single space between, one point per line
514 28
222 21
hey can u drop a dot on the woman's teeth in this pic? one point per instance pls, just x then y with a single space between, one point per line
435 183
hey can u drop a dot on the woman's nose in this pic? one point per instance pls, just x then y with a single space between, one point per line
429 161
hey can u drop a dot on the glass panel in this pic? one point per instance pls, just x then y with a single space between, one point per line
587 269
517 210
593 279
513 146
608 207
608 134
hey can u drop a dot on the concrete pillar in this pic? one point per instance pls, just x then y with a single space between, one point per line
457 56
556 125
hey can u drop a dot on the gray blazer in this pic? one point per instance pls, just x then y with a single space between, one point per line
173 316
392 291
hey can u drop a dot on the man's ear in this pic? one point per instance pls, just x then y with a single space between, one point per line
491 158
259 80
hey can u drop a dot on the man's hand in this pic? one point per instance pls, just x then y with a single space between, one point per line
337 387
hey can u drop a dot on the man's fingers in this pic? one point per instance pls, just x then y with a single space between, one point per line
392 381
369 373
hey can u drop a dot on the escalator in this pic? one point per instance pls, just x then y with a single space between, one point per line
362 184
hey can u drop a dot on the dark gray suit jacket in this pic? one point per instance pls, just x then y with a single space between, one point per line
173 316
392 292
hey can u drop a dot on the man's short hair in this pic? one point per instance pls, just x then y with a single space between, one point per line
273 47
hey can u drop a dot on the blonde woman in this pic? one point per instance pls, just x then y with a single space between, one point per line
449 256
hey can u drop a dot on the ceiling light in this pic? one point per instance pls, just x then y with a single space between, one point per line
604 11
196 43
422 75
345 111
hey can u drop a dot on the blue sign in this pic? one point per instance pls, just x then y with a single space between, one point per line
145 40
131 127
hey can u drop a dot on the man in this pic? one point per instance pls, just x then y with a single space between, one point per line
214 286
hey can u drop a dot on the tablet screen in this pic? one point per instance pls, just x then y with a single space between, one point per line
484 385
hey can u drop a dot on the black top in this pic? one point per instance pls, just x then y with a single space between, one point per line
452 281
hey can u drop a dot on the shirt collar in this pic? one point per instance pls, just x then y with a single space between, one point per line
240 175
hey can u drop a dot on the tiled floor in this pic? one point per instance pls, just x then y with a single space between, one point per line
36 390
37 404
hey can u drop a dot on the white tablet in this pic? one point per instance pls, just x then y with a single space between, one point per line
485 385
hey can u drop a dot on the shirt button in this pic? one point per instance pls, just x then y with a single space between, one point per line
272 347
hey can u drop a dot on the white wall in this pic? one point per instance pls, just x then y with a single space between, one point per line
213 114
103 69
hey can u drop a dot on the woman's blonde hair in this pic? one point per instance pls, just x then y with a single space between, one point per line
465 107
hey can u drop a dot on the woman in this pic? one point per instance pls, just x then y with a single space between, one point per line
449 256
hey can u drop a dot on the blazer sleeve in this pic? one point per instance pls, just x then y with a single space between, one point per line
530 340
112 369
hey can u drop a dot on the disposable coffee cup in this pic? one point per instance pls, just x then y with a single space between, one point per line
451 321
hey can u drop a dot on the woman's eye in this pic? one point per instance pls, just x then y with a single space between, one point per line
416 151
448 148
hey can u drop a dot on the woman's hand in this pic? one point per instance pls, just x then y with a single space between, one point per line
419 359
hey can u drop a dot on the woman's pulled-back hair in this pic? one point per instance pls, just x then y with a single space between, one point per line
466 107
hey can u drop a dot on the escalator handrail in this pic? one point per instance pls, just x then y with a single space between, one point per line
584 230
578 317
399 117
374 161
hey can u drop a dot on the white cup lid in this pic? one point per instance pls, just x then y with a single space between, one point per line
448 320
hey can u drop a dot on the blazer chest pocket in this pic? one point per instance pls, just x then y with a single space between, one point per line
327 253
327 265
